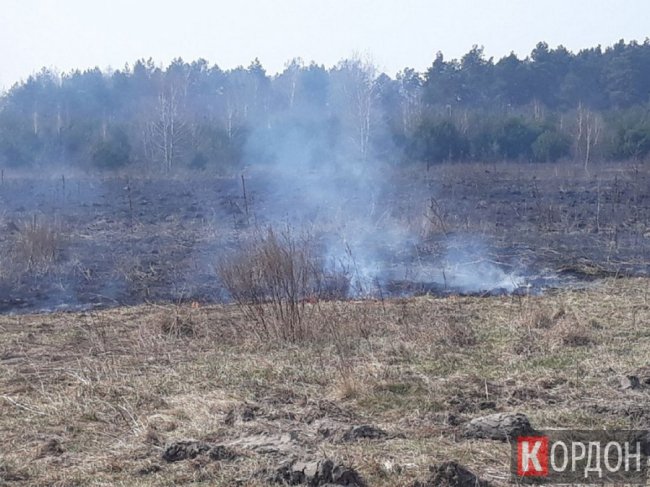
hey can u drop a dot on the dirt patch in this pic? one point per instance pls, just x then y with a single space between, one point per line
451 474
364 432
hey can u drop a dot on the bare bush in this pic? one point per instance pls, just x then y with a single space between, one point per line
38 244
276 280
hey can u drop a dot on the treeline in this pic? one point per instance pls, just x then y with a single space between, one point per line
554 104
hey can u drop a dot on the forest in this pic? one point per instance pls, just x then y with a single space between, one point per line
552 105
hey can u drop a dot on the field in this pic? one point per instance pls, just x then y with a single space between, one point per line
95 398
124 359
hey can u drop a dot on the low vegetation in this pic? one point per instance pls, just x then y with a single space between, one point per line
96 398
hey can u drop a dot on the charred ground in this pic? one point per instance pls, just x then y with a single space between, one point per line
127 240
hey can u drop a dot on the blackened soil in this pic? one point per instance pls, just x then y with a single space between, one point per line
132 240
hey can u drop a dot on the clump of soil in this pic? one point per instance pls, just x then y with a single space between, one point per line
499 426
451 474
316 473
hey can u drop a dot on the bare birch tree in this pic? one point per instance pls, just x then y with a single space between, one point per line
357 88
588 130
169 130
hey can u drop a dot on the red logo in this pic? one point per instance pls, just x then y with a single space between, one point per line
532 456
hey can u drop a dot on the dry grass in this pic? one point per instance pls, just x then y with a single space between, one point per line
37 244
92 398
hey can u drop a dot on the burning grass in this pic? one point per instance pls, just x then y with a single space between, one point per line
93 398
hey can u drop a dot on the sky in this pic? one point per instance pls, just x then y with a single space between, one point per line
71 34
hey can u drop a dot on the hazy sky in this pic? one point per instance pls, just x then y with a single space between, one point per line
68 34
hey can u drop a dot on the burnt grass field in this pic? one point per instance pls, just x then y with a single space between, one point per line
123 360
80 243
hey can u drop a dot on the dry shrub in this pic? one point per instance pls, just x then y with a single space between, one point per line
534 330
544 318
435 220
543 328
38 243
179 324
540 318
277 280
454 332
527 341
570 332
576 337
348 387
